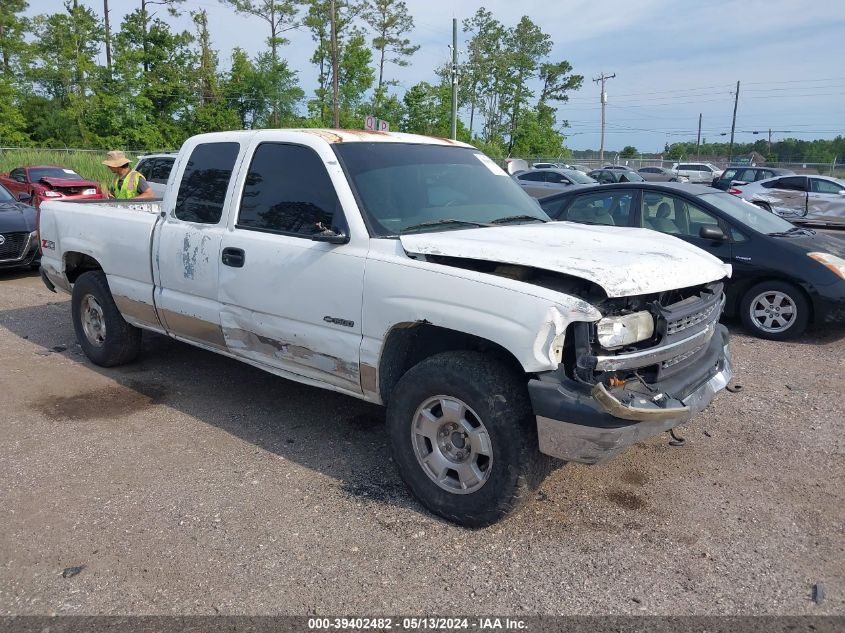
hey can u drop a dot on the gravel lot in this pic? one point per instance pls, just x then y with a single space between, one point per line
188 483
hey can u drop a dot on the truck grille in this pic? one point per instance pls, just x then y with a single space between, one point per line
13 245
679 325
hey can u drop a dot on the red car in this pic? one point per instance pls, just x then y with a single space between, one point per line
37 183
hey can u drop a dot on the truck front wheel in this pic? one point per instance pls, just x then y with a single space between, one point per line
105 337
463 437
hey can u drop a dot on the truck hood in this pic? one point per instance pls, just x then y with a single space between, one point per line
623 261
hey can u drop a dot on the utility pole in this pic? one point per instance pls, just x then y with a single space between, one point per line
769 146
335 104
733 125
603 78
698 141
454 134
108 35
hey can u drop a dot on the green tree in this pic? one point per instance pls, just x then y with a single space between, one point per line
281 16
65 70
355 73
390 21
527 45
146 16
13 29
12 121
629 151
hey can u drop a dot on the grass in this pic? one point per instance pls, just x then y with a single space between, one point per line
87 164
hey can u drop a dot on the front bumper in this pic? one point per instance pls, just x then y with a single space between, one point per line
30 254
829 304
592 427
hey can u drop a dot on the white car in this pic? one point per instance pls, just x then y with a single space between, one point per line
702 173
799 198
156 169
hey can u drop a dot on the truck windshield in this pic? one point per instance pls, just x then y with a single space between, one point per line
416 187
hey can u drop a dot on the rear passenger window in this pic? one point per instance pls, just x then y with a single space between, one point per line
205 181
792 183
533 176
610 208
288 190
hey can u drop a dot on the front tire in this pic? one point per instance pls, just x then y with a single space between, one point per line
775 310
105 337
463 437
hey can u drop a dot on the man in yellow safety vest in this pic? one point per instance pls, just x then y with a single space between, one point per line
127 182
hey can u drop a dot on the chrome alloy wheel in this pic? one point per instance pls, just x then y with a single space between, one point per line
93 320
452 445
773 311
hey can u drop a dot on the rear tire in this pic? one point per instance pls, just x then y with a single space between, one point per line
775 310
463 437
105 337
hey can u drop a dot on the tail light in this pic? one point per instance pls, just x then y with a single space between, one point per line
734 191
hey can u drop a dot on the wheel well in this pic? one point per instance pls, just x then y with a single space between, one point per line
78 263
408 344
738 291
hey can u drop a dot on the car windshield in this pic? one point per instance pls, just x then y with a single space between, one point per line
747 214
578 177
38 173
417 187
5 196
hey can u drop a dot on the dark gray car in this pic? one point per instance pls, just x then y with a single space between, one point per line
661 174
18 235
545 181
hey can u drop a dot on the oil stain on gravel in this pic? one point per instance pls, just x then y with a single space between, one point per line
110 402
626 499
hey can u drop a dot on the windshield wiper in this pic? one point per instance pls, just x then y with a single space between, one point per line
792 231
423 225
514 218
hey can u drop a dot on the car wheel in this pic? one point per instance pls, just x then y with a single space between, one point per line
105 337
775 310
463 437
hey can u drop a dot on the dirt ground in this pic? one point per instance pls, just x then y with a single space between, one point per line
188 483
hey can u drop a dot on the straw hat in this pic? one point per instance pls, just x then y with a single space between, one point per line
116 158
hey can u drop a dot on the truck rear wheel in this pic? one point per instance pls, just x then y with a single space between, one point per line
105 337
464 438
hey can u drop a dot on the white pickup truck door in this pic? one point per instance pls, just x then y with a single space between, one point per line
288 301
187 244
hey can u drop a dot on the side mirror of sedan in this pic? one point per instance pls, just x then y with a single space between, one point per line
24 197
712 233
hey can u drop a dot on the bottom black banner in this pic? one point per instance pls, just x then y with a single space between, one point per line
538 624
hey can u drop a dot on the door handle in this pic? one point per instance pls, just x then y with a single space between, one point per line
233 257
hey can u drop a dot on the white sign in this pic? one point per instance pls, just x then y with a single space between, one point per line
383 126
370 122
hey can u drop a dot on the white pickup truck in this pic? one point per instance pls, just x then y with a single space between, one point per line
411 272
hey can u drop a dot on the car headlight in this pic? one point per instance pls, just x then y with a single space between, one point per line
52 194
89 192
619 331
832 262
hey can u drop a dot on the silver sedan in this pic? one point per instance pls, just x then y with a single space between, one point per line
661 174
817 199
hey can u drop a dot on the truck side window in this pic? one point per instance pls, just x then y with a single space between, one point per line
205 181
287 190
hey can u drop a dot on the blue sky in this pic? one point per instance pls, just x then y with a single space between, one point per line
672 60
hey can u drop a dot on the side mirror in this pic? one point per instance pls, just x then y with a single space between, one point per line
712 233
842 192
24 197
330 236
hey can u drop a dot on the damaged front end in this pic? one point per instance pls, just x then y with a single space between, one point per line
649 364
